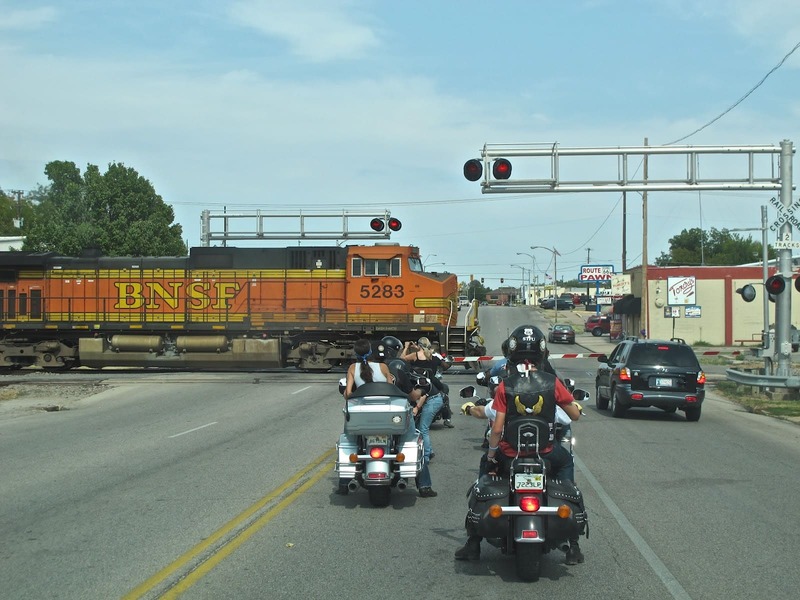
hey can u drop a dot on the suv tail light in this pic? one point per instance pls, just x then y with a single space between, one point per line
701 378
624 374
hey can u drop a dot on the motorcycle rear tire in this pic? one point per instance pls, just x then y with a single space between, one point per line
528 559
379 496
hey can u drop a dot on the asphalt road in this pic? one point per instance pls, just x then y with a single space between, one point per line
205 486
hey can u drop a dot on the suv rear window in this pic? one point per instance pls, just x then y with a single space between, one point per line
668 355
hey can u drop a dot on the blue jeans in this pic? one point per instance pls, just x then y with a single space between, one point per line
429 410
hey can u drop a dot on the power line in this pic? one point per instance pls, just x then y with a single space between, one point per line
740 100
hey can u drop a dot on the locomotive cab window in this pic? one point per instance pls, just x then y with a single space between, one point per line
371 267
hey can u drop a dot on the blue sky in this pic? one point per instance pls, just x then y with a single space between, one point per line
318 104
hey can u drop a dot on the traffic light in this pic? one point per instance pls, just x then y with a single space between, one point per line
377 224
473 169
481 280
501 169
501 280
748 293
775 285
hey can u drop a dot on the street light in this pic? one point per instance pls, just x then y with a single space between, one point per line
522 286
435 265
555 275
427 258
533 264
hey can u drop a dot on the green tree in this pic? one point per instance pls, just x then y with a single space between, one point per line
715 247
117 212
16 213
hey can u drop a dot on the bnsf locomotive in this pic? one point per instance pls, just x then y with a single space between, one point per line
221 307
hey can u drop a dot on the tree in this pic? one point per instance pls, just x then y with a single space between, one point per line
716 247
16 213
117 212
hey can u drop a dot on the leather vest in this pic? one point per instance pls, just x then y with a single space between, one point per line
530 394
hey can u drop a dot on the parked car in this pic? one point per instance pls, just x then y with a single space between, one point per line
561 332
562 304
598 325
642 372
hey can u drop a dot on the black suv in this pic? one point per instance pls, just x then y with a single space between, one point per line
664 374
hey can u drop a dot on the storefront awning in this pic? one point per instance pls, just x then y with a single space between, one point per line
628 305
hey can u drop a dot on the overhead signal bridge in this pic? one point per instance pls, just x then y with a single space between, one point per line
547 164
549 168
301 225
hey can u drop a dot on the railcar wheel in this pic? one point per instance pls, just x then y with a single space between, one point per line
528 558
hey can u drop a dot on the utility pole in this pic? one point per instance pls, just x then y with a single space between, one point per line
588 262
18 220
645 306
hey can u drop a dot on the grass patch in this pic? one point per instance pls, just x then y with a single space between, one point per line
756 402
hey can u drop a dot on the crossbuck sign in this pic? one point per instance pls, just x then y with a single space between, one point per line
596 273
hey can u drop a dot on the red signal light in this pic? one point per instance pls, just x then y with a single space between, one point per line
775 285
501 169
473 169
395 224
376 224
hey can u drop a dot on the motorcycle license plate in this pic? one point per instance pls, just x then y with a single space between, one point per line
528 481
663 382
377 440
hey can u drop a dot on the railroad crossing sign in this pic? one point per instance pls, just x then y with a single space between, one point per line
596 273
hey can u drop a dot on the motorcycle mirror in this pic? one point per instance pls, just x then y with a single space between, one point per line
467 392
569 383
494 380
580 395
342 385
480 378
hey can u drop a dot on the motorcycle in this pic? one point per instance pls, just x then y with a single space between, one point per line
527 513
380 448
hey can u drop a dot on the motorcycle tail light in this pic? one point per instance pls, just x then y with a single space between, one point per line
401 457
564 511
495 511
354 458
701 378
529 503
376 452
624 374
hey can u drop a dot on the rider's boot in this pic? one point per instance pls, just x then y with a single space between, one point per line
574 554
471 550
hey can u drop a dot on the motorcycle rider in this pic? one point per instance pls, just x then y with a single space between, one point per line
526 384
418 390
429 363
365 370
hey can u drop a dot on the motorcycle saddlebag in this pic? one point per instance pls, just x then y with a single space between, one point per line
486 491
564 491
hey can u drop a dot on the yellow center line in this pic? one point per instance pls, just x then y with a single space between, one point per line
234 543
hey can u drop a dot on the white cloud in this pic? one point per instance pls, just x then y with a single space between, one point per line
26 19
316 31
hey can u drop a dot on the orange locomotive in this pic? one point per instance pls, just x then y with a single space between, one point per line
221 307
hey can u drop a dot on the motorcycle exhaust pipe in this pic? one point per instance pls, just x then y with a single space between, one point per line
401 484
564 546
352 485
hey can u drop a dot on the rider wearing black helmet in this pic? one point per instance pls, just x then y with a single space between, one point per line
527 390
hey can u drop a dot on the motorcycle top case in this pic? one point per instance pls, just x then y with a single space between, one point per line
376 409
488 490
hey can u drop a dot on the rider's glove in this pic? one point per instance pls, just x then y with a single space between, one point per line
466 407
